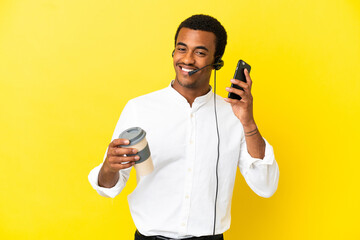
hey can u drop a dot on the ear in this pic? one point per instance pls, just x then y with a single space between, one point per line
173 53
218 63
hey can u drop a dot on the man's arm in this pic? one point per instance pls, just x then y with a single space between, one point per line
107 178
110 177
115 161
243 110
261 175
257 162
254 141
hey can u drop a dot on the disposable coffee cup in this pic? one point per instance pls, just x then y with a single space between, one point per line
136 136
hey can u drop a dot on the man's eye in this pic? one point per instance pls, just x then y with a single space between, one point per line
181 49
200 53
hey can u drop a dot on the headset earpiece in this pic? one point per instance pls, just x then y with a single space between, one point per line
173 53
218 63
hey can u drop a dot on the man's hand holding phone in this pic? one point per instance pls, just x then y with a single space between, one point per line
240 96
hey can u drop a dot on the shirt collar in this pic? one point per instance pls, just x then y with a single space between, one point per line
198 102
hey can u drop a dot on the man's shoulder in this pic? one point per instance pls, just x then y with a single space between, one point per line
150 97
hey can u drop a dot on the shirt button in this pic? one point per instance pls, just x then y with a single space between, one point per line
189 169
191 115
187 196
191 141
183 224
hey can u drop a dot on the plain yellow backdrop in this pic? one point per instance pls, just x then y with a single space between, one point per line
67 68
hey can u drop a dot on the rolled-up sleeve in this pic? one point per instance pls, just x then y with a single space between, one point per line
262 175
108 192
127 119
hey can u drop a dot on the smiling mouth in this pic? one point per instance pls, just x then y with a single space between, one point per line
186 69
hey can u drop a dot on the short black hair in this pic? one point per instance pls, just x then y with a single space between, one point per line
209 24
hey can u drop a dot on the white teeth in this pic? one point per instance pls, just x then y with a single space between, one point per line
186 70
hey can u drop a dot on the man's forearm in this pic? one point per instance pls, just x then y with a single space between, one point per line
107 178
254 141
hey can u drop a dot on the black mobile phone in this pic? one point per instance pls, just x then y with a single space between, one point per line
240 75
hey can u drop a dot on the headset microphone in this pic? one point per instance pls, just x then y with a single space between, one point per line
217 65
195 71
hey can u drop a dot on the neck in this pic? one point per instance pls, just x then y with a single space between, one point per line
190 93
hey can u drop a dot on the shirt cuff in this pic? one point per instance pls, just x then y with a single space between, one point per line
105 192
250 162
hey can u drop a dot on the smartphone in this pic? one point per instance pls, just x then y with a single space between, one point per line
240 75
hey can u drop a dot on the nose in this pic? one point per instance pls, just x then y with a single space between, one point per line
189 58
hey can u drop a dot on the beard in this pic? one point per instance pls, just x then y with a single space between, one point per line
187 85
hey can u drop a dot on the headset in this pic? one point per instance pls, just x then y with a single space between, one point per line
217 65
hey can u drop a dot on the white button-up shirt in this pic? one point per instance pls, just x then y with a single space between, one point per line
177 199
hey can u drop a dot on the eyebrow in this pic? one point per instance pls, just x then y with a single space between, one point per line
197 47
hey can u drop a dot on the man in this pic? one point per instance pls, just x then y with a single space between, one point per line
188 195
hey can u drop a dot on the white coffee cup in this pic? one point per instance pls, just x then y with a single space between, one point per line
136 136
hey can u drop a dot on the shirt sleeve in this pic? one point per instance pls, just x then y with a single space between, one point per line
108 192
262 175
127 119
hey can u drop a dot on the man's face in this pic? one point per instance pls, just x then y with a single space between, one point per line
194 49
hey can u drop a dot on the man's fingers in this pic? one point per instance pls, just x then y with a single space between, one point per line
245 96
239 92
123 151
240 83
123 159
119 141
120 166
248 78
231 101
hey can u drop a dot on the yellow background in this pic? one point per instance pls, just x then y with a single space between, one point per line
67 68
